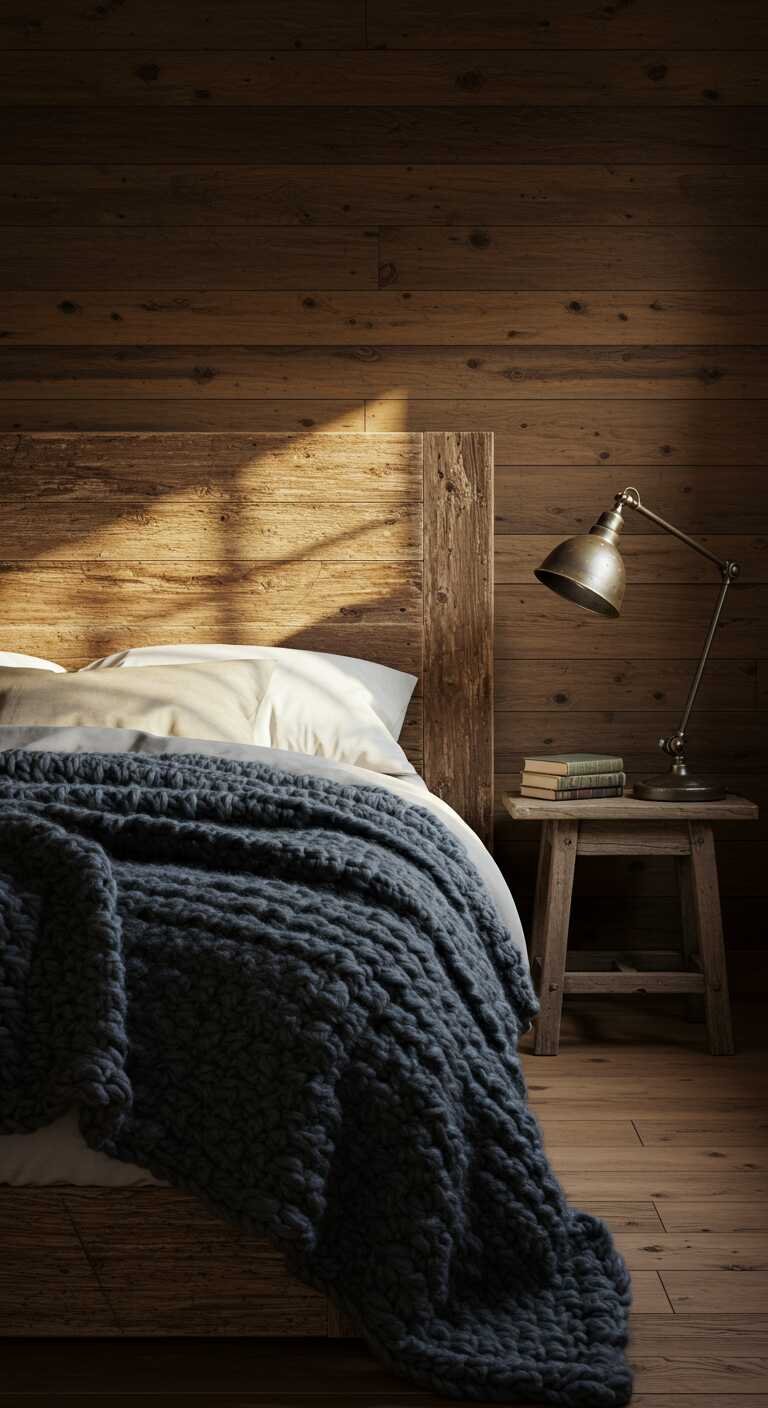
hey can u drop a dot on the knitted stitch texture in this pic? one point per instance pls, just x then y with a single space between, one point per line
295 998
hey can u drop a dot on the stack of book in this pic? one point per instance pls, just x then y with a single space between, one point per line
569 777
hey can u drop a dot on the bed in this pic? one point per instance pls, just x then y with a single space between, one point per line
376 546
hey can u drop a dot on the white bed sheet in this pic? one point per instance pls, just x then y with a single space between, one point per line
58 1153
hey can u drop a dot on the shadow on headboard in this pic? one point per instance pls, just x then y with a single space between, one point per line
375 545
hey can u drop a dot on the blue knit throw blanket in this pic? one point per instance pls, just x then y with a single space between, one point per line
296 999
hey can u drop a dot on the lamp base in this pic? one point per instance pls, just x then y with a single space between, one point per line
678 785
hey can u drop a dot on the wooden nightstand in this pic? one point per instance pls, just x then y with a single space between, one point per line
621 826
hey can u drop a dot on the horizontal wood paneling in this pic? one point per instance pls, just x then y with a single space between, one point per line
659 687
370 610
289 595
561 24
270 24
228 256
164 415
503 257
731 741
262 468
374 77
533 622
545 499
359 372
575 432
183 529
386 317
194 193
386 134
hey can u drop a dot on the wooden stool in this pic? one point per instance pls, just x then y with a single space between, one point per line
625 826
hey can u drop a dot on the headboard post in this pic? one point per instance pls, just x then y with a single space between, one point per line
458 623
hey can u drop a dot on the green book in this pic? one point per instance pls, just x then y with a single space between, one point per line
574 764
557 782
580 794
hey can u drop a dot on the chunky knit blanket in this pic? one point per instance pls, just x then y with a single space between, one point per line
295 998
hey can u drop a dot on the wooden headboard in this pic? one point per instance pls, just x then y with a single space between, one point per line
376 545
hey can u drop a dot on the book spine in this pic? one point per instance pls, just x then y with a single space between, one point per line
574 767
572 794
589 766
568 784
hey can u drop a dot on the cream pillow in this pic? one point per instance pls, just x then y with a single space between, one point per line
329 706
385 690
201 700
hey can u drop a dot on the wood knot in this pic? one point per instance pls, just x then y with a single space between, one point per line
470 81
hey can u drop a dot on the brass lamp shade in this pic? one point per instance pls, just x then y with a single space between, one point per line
589 569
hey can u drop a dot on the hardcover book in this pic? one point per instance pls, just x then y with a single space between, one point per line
577 795
559 783
573 764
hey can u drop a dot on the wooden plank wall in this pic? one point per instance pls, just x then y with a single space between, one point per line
544 220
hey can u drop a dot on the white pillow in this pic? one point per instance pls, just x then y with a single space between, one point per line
218 701
329 706
9 660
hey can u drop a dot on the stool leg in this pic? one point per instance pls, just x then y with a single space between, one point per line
539 902
550 935
707 920
694 1003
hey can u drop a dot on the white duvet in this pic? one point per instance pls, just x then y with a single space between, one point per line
59 1154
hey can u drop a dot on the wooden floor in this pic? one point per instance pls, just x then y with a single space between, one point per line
668 1144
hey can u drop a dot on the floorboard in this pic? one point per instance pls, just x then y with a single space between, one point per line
665 1143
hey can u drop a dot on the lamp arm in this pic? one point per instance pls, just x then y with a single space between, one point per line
631 498
729 571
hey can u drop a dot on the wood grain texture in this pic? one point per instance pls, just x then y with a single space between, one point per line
363 371
46 1277
268 467
576 432
220 256
182 529
66 25
645 826
506 257
549 939
560 24
458 623
465 193
542 619
697 497
383 318
386 135
207 1283
375 77
654 686
730 742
